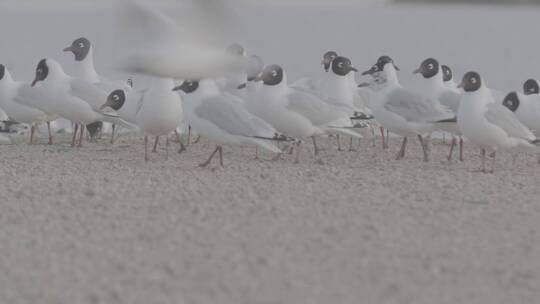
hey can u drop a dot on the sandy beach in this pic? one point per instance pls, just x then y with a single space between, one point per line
98 225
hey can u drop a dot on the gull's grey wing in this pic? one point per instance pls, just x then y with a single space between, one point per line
313 108
451 100
94 95
138 96
505 119
415 108
228 114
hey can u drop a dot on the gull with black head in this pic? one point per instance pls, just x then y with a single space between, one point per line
434 86
402 111
221 117
488 124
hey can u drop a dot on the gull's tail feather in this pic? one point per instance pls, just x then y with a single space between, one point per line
361 116
114 119
447 120
345 131
266 144
277 137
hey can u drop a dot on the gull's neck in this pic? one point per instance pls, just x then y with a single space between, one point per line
7 80
85 69
390 75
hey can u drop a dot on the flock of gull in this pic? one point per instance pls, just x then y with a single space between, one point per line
257 106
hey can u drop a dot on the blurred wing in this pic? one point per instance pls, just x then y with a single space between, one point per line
161 47
230 116
505 119
415 108
313 108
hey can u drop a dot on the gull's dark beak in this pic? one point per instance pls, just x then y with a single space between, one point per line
368 72
460 85
108 103
354 69
258 78
396 67
242 86
68 49
177 88
326 64
363 85
34 82
417 71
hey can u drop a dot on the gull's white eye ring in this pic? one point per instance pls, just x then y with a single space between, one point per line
274 73
40 71
81 45
473 80
375 68
340 64
430 66
116 98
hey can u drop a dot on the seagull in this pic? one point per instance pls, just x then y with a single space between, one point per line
526 106
255 67
448 77
434 86
317 84
337 87
17 111
159 110
296 112
222 118
56 93
233 80
400 110
488 124
83 52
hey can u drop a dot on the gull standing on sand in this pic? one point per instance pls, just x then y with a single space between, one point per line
83 52
58 94
17 111
159 111
400 110
526 106
295 112
222 118
488 124
433 86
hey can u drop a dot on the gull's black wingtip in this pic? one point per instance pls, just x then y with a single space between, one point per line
277 137
448 120
361 116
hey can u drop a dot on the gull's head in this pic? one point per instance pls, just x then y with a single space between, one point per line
188 86
236 49
471 82
2 71
272 75
255 66
531 87
447 73
42 71
115 100
383 63
328 57
342 66
511 101
429 68
80 48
